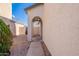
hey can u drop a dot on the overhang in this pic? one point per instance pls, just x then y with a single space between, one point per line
34 5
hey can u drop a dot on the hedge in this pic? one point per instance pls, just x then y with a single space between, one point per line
5 38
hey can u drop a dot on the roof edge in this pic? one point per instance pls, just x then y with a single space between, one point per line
11 20
35 4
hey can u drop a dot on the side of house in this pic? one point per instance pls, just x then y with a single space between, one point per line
20 29
60 27
6 10
6 16
34 12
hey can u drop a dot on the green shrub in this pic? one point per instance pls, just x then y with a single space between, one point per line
5 38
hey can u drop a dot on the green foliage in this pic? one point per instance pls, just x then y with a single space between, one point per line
5 38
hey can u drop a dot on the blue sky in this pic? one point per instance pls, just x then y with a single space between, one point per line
18 12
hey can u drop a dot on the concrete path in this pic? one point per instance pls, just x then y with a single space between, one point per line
20 46
35 48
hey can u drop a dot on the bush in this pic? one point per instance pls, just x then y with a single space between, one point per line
5 38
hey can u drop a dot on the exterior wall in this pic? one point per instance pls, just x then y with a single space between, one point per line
6 10
20 29
10 23
61 28
36 11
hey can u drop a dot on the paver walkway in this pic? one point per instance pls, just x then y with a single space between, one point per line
35 48
20 46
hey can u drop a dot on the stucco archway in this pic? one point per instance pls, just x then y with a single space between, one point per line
37 27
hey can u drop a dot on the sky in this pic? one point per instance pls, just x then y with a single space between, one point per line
18 13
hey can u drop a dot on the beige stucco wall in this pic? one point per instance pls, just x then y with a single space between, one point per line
33 12
61 28
6 10
20 29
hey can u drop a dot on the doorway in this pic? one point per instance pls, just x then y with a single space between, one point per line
37 28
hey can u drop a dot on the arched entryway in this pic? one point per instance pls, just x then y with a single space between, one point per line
37 27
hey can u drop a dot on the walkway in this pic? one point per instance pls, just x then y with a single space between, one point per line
35 48
20 46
